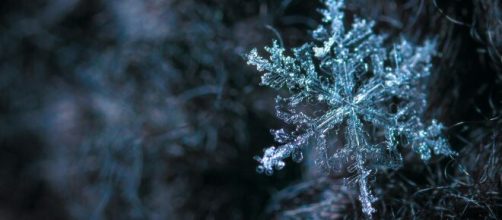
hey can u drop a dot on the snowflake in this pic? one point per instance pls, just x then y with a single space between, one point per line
374 95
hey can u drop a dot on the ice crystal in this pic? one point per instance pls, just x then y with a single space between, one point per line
373 94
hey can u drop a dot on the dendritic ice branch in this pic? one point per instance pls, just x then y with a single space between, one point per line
373 94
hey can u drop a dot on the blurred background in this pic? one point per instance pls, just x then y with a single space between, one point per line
129 109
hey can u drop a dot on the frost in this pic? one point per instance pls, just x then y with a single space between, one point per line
374 95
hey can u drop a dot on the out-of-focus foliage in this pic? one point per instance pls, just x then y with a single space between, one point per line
379 94
134 104
486 27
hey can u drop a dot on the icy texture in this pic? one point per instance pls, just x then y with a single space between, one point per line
374 95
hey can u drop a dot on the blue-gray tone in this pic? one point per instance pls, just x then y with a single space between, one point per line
362 84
